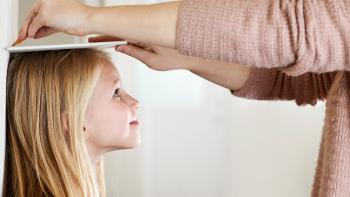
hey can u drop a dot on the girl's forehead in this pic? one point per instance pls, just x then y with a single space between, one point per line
109 72
107 81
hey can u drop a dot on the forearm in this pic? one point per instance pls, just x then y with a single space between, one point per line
151 24
228 75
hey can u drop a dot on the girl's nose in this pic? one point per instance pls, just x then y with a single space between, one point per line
135 104
132 102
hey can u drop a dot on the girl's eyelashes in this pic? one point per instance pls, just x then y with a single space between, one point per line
116 93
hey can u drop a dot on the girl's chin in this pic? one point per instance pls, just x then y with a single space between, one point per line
130 145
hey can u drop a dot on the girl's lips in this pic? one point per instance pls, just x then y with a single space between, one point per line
135 122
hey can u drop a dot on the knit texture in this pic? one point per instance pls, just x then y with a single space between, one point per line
297 50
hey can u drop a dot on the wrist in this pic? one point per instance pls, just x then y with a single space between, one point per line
191 64
91 20
201 66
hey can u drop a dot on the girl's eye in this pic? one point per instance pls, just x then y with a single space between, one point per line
116 93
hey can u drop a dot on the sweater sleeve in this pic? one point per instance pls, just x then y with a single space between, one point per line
295 36
273 84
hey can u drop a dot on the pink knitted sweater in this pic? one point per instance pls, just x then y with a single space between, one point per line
297 49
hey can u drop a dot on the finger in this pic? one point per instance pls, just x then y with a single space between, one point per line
45 31
103 38
34 27
139 53
23 34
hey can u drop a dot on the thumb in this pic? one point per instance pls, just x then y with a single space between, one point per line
34 26
139 53
44 31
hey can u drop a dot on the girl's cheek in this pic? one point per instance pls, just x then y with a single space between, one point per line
122 110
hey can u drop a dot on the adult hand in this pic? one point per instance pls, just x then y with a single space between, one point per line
228 75
132 22
155 57
47 17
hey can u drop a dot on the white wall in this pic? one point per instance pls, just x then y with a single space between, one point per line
198 140
8 26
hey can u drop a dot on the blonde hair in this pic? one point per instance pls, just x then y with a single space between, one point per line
44 89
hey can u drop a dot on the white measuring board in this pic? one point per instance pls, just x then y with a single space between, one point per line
97 45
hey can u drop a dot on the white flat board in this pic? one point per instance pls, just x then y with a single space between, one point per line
98 45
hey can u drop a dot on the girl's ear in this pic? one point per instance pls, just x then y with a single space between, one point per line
86 133
87 123
85 129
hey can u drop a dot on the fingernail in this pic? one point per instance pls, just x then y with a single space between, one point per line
17 42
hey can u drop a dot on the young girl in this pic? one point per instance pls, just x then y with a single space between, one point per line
65 109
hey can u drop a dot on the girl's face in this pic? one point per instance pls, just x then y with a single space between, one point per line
110 119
